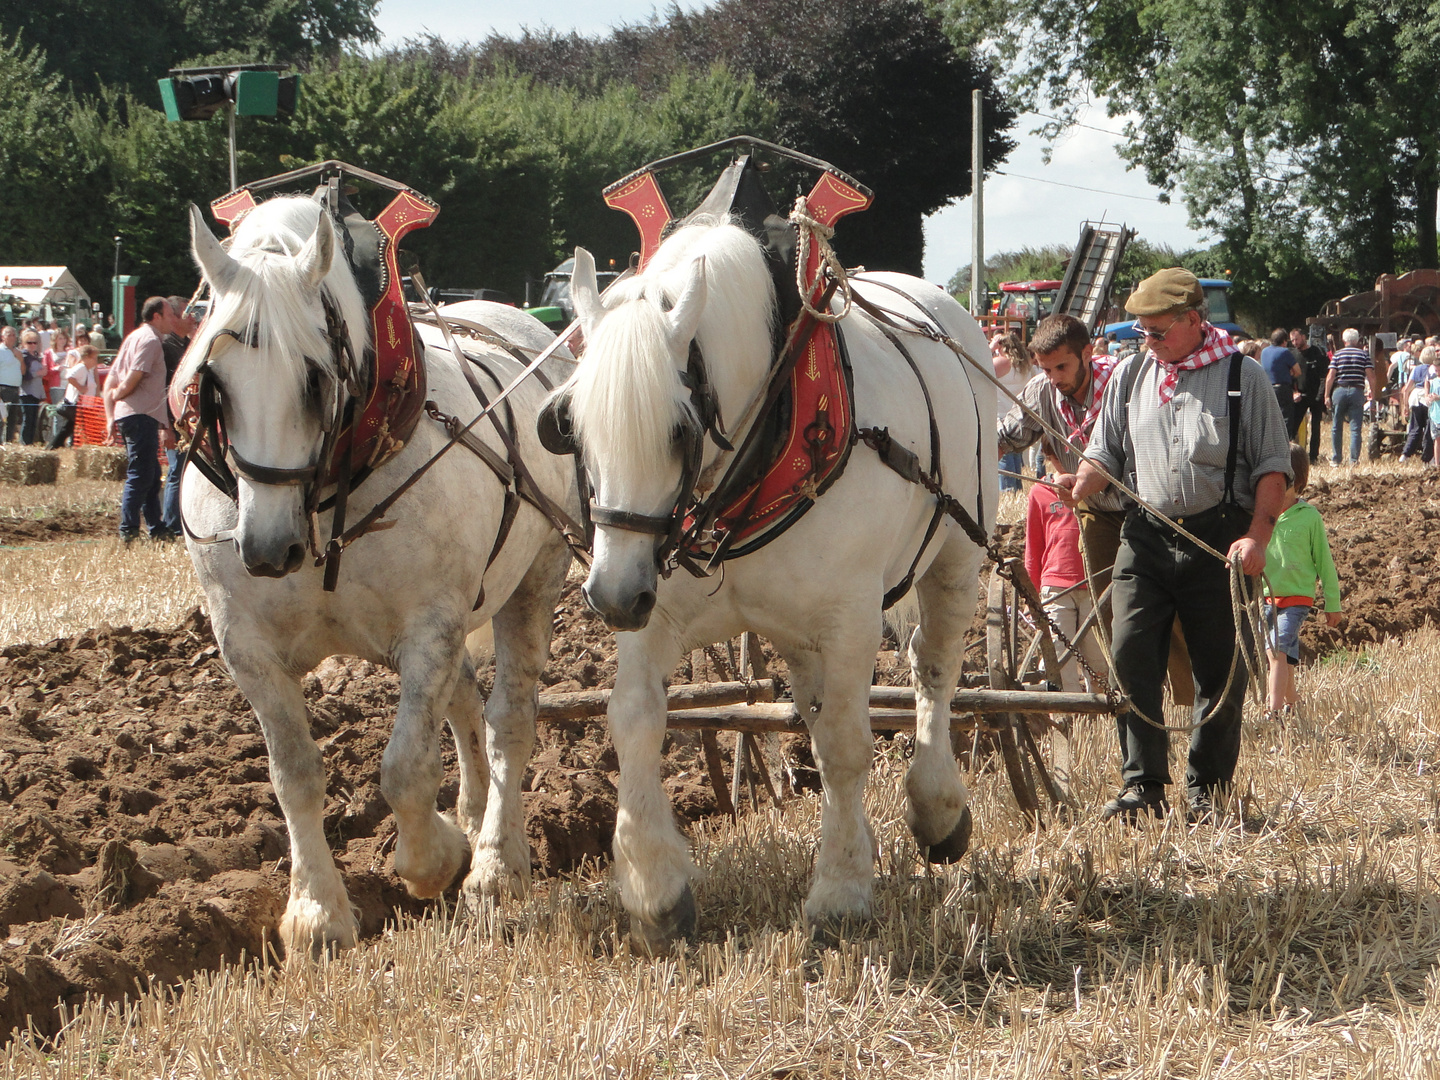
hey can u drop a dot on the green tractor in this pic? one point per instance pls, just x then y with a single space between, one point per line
555 309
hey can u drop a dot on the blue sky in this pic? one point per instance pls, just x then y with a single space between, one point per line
1033 205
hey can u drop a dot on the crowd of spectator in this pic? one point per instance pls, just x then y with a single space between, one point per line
42 365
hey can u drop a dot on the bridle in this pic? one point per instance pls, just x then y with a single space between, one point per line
702 419
335 416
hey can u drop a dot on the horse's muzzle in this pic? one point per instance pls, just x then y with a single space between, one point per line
287 563
631 613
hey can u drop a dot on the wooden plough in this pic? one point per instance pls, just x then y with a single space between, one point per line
1021 700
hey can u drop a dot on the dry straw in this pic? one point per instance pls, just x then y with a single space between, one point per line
100 463
28 465
1300 940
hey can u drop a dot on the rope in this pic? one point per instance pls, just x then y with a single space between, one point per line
809 231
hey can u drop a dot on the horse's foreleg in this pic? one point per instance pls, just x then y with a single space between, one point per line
937 809
319 913
652 860
430 850
467 716
501 860
843 746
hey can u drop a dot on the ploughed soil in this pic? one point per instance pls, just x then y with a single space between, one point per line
140 838
59 525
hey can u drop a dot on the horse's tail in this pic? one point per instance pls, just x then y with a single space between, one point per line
902 620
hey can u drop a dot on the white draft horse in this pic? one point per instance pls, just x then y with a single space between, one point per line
816 591
404 594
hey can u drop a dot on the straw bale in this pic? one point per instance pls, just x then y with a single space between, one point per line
100 463
28 465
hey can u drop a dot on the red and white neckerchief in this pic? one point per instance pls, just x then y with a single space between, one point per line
1100 370
1217 346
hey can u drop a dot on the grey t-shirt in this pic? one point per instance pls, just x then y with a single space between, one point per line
1018 430
1181 446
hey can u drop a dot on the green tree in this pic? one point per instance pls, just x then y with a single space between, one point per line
873 87
128 44
1300 133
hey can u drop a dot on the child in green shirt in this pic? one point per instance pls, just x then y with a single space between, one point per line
1298 555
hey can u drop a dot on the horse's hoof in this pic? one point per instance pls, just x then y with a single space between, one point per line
828 931
654 938
492 878
954 846
446 867
309 930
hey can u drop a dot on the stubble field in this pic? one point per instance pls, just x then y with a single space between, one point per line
1302 940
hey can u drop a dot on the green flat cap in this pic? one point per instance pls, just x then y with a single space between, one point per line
1165 292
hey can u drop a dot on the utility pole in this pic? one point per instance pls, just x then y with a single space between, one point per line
977 209
230 114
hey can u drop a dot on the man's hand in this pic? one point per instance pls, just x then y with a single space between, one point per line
1087 481
109 429
1252 555
1064 488
1332 618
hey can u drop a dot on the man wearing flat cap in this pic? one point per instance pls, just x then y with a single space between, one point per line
1171 431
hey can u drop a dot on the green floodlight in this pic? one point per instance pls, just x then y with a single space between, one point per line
197 98
255 93
238 89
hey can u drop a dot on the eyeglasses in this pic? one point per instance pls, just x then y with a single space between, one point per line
1158 335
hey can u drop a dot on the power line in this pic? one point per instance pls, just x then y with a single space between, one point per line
1077 187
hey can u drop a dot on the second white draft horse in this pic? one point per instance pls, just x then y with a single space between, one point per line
816 592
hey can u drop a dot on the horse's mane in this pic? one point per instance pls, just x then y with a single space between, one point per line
266 297
627 396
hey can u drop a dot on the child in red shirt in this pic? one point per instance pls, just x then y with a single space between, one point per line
1052 559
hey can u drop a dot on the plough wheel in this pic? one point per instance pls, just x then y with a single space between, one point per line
1021 653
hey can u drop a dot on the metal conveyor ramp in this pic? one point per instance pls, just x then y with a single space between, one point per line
1085 291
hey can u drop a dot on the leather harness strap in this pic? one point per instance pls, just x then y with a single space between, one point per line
525 485
903 461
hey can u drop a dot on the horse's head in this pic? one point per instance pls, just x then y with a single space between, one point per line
669 354
282 303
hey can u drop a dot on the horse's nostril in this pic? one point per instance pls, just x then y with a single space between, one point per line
644 603
294 556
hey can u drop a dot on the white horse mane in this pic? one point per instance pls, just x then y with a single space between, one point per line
267 299
627 396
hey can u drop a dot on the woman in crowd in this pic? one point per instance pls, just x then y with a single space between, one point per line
79 382
32 386
57 359
1417 434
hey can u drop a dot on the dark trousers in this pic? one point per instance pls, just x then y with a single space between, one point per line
1100 530
1316 409
30 419
10 398
142 475
170 503
1417 434
64 425
1285 398
1160 576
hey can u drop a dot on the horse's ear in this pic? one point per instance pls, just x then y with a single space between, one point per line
585 291
214 261
685 315
314 258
